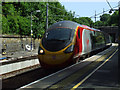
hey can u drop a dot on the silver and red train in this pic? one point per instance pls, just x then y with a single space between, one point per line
66 41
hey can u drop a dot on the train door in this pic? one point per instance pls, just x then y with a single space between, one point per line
78 40
86 47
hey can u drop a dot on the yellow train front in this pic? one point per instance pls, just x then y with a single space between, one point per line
57 46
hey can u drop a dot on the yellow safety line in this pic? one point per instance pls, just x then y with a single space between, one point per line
92 72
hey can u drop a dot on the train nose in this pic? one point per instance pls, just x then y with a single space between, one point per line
54 59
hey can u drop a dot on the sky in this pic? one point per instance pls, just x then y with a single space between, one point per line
87 8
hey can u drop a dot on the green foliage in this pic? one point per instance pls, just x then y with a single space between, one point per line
23 25
84 21
8 9
16 18
98 23
5 26
104 17
108 20
113 20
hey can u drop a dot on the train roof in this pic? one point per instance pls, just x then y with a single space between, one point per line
70 24
89 28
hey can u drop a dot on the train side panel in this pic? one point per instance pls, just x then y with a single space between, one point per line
86 42
98 40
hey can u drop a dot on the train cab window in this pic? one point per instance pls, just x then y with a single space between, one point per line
79 33
59 34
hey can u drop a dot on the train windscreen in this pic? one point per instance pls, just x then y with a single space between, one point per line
59 34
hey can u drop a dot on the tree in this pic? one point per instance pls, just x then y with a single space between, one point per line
113 20
24 26
17 17
104 19
5 26
98 23
84 21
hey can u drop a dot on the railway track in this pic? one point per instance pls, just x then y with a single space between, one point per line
14 66
25 78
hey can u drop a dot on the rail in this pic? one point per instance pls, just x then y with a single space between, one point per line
15 66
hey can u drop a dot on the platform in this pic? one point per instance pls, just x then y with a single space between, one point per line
73 76
17 63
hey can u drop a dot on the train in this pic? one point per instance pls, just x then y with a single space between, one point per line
65 42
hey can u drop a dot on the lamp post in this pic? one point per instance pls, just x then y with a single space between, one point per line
31 27
47 16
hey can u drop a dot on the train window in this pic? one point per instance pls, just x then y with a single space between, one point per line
59 34
79 33
99 38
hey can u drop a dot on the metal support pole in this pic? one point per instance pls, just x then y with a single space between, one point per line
95 16
31 28
47 17
119 45
95 20
31 31
103 10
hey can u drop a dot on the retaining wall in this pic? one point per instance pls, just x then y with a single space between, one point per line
16 43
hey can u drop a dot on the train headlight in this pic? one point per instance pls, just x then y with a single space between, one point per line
41 51
69 49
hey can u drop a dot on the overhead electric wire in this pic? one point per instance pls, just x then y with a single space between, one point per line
102 12
79 15
109 4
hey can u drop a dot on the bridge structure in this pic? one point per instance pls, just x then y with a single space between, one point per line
112 30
